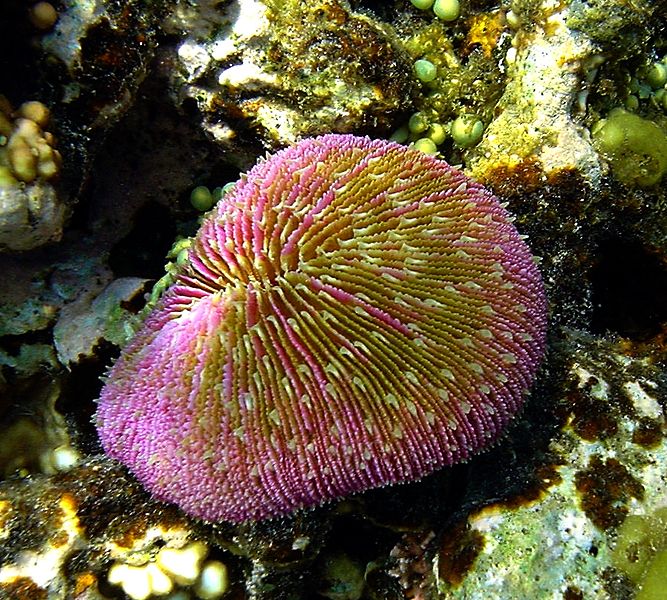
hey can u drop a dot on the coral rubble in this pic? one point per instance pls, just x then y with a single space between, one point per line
287 70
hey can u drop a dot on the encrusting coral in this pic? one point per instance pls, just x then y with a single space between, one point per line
26 149
354 313
31 212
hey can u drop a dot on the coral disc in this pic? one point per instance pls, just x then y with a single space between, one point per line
353 314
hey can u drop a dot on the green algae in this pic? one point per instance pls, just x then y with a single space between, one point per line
635 147
467 80
467 130
425 70
613 22
201 198
641 553
655 581
447 10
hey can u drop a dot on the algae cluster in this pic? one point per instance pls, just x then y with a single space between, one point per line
635 147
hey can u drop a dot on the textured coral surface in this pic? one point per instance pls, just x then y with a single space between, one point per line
354 313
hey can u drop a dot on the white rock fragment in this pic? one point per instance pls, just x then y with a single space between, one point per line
600 388
87 321
140 583
645 405
251 22
213 581
194 58
247 75
63 458
74 17
183 565
135 581
160 582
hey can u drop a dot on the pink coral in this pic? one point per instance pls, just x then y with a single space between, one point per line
354 314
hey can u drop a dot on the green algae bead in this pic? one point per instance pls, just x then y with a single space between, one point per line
217 193
467 130
513 20
447 10
425 70
609 135
656 76
182 257
660 98
401 135
227 188
417 123
422 4
160 286
201 198
437 133
426 145
180 244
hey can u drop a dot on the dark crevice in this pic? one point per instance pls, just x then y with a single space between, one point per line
629 290
78 389
142 252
